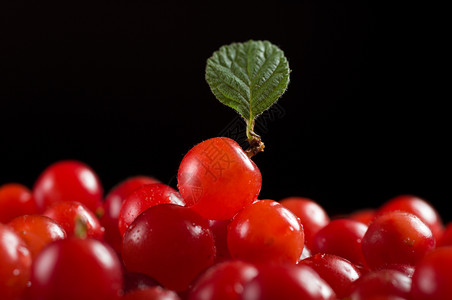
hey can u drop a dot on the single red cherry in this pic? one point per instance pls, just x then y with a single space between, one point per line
287 282
338 272
265 231
418 207
76 219
223 281
312 216
396 238
217 179
74 269
381 283
143 198
68 180
169 243
15 200
112 206
432 277
15 264
37 231
341 237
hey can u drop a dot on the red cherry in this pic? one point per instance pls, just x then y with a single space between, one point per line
312 216
143 198
112 206
15 263
223 281
74 269
265 231
338 272
287 282
396 238
37 231
381 283
341 237
15 200
68 181
432 277
217 179
418 207
169 243
76 219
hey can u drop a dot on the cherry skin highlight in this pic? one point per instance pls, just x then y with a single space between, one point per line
217 179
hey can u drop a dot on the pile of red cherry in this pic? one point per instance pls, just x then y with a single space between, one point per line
212 239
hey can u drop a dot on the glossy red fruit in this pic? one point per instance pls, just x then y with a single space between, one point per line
341 237
76 268
68 180
432 278
217 179
338 272
152 293
37 231
76 219
223 281
396 238
264 232
418 207
169 243
287 282
15 263
381 283
112 206
143 198
15 200
312 216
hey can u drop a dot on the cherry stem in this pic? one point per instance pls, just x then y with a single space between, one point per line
255 141
81 228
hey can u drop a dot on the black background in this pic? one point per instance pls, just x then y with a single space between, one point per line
121 87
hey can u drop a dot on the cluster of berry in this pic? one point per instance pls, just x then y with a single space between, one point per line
212 239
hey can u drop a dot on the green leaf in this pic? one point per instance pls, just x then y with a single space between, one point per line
249 77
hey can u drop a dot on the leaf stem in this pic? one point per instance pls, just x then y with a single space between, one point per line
255 141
